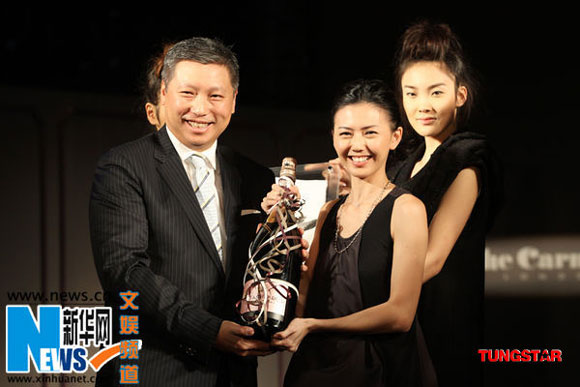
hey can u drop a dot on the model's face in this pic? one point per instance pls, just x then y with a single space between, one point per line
362 138
431 99
199 101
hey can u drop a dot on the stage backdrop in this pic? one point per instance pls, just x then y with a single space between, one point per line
53 139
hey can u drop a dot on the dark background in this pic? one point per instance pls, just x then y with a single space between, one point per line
294 57
79 61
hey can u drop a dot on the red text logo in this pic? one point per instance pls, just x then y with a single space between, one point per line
524 355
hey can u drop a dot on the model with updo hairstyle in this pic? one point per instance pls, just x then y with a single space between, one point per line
456 174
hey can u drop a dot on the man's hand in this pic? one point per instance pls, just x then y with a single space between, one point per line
237 339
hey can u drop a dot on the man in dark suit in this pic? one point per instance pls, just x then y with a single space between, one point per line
152 232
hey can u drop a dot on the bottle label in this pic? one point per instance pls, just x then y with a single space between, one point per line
271 294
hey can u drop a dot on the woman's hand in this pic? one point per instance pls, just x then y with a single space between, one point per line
275 195
291 338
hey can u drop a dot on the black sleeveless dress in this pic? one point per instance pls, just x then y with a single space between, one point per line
346 283
450 311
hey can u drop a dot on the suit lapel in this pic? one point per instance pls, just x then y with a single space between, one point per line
171 170
231 185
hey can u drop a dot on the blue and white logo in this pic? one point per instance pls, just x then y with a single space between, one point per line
56 340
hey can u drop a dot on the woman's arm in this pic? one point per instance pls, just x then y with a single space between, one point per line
450 219
409 232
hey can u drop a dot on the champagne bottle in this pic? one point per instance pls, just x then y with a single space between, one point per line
272 275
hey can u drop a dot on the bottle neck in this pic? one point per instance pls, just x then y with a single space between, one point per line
285 181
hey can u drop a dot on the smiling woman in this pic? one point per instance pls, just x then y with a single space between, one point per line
360 297
361 136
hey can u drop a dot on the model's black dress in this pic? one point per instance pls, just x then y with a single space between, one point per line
346 283
450 310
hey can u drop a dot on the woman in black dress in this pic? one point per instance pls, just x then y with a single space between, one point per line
456 175
366 262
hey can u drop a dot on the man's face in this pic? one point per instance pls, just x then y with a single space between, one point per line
199 101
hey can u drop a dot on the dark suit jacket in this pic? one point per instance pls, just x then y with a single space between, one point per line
149 235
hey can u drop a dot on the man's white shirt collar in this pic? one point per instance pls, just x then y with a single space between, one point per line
185 153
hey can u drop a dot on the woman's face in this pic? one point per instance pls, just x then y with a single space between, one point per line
362 137
431 99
